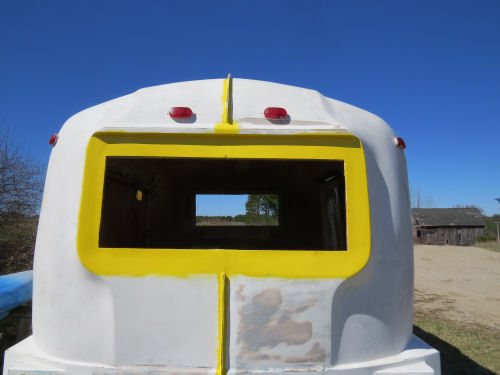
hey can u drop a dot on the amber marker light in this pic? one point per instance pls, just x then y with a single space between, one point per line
180 112
275 113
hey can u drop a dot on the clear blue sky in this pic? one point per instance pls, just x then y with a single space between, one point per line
220 204
431 69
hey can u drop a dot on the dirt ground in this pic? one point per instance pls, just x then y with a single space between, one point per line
462 283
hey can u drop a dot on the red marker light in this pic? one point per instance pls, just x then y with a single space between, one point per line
400 143
275 113
180 112
53 139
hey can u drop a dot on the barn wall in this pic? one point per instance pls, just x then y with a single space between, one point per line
462 236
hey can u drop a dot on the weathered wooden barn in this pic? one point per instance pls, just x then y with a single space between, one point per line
447 226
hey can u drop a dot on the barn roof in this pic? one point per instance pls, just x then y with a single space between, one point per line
436 217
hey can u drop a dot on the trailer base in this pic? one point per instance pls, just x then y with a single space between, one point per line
417 359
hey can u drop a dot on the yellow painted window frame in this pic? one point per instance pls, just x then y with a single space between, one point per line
257 263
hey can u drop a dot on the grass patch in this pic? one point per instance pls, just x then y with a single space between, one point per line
466 348
489 245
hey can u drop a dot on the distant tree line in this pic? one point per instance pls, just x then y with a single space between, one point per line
21 185
490 228
260 209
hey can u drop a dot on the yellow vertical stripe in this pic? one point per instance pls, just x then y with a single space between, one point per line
228 125
227 98
223 284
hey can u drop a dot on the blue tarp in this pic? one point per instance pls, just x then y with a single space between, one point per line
15 289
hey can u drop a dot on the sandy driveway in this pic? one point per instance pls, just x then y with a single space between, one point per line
461 283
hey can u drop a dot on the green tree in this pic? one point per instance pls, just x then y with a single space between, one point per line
270 203
262 209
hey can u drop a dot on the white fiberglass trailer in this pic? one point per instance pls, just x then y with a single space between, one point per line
130 277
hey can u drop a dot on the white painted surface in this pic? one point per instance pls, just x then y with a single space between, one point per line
79 318
155 322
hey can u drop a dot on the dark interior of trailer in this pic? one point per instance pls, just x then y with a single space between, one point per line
151 203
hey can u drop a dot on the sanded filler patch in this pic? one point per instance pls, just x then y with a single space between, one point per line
265 323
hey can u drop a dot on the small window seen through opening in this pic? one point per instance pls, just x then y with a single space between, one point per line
237 210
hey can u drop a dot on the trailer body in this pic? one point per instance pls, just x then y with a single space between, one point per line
127 281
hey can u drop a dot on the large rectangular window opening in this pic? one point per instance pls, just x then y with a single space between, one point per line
201 203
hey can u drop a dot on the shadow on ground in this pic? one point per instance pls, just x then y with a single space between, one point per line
13 328
453 361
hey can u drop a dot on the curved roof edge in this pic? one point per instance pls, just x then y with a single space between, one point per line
149 107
